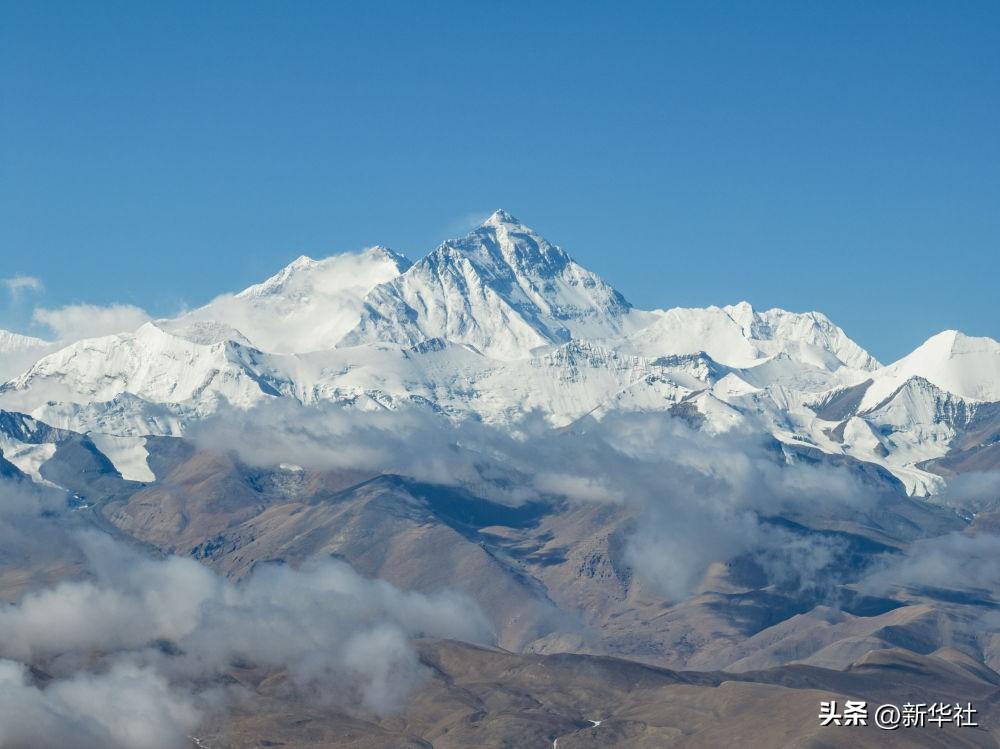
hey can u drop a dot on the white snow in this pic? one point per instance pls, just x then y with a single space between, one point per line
27 457
128 455
11 342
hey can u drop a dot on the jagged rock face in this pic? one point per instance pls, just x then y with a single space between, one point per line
503 289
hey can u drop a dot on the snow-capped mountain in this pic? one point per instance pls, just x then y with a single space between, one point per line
151 364
917 422
14 342
959 364
915 411
308 305
503 289
501 323
18 352
740 336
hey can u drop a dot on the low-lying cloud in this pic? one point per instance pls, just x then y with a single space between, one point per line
697 498
123 706
976 491
132 654
954 561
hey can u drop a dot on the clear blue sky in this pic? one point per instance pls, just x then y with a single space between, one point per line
841 156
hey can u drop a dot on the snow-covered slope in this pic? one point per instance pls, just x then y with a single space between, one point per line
812 335
959 364
307 306
918 418
915 423
503 289
13 342
740 336
150 363
127 454
18 352
27 443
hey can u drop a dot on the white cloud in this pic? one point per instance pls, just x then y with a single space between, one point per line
77 321
697 498
126 706
18 284
953 561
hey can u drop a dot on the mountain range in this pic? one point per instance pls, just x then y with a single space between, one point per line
501 324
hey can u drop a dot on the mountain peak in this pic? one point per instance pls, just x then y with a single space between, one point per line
955 342
381 252
502 247
500 216
743 314
308 305
503 289
17 352
331 274
740 336
951 343
963 365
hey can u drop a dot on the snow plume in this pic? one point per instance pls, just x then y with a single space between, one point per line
307 306
696 498
137 650
78 321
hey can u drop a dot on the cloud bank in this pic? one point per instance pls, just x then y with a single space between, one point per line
696 498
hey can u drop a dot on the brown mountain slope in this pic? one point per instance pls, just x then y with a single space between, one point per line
484 697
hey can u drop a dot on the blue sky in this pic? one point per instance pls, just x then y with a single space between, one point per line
841 156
